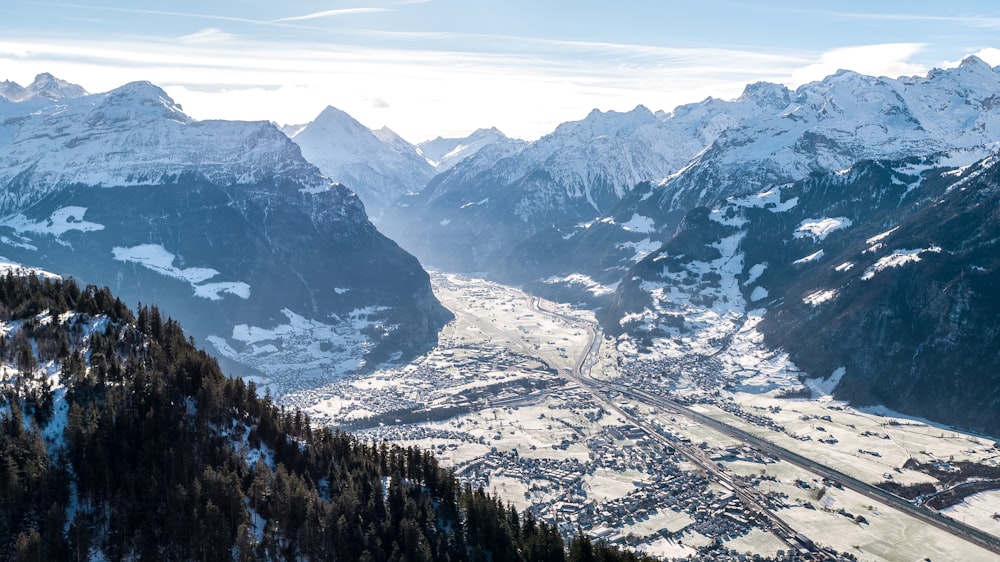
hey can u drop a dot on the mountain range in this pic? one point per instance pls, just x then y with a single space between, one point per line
848 223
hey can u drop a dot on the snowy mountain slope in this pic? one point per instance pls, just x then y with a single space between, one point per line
444 153
378 165
883 273
222 224
775 136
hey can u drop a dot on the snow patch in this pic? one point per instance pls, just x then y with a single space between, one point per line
754 273
213 291
156 258
640 224
819 297
846 266
824 386
815 256
472 203
819 229
880 237
898 258
758 293
641 248
59 222
303 353
23 270
588 284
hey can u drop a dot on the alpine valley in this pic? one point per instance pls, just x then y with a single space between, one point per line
765 328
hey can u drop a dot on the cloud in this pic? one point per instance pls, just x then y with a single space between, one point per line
890 59
208 35
983 22
379 103
333 13
990 56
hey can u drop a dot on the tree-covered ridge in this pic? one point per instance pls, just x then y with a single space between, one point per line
120 440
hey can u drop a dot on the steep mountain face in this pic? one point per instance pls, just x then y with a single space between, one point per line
377 165
222 224
879 281
444 153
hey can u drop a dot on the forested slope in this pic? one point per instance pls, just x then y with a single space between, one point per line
119 439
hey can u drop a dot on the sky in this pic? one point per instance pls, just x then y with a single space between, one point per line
426 68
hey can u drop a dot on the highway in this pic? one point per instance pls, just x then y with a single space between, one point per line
748 495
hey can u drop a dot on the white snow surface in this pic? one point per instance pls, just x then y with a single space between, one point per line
7 266
819 297
825 386
815 256
640 224
156 258
581 280
819 229
758 293
898 258
378 165
59 222
642 248
302 353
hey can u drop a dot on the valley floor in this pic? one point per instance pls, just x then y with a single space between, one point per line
670 456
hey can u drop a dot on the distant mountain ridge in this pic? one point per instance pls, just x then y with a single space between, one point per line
556 187
44 86
445 153
848 222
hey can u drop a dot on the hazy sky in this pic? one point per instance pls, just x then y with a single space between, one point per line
446 67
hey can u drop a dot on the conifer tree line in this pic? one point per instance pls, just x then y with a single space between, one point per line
144 450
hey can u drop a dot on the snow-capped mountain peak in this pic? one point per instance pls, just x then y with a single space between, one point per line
378 165
44 86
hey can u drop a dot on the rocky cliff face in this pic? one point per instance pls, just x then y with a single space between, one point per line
223 225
